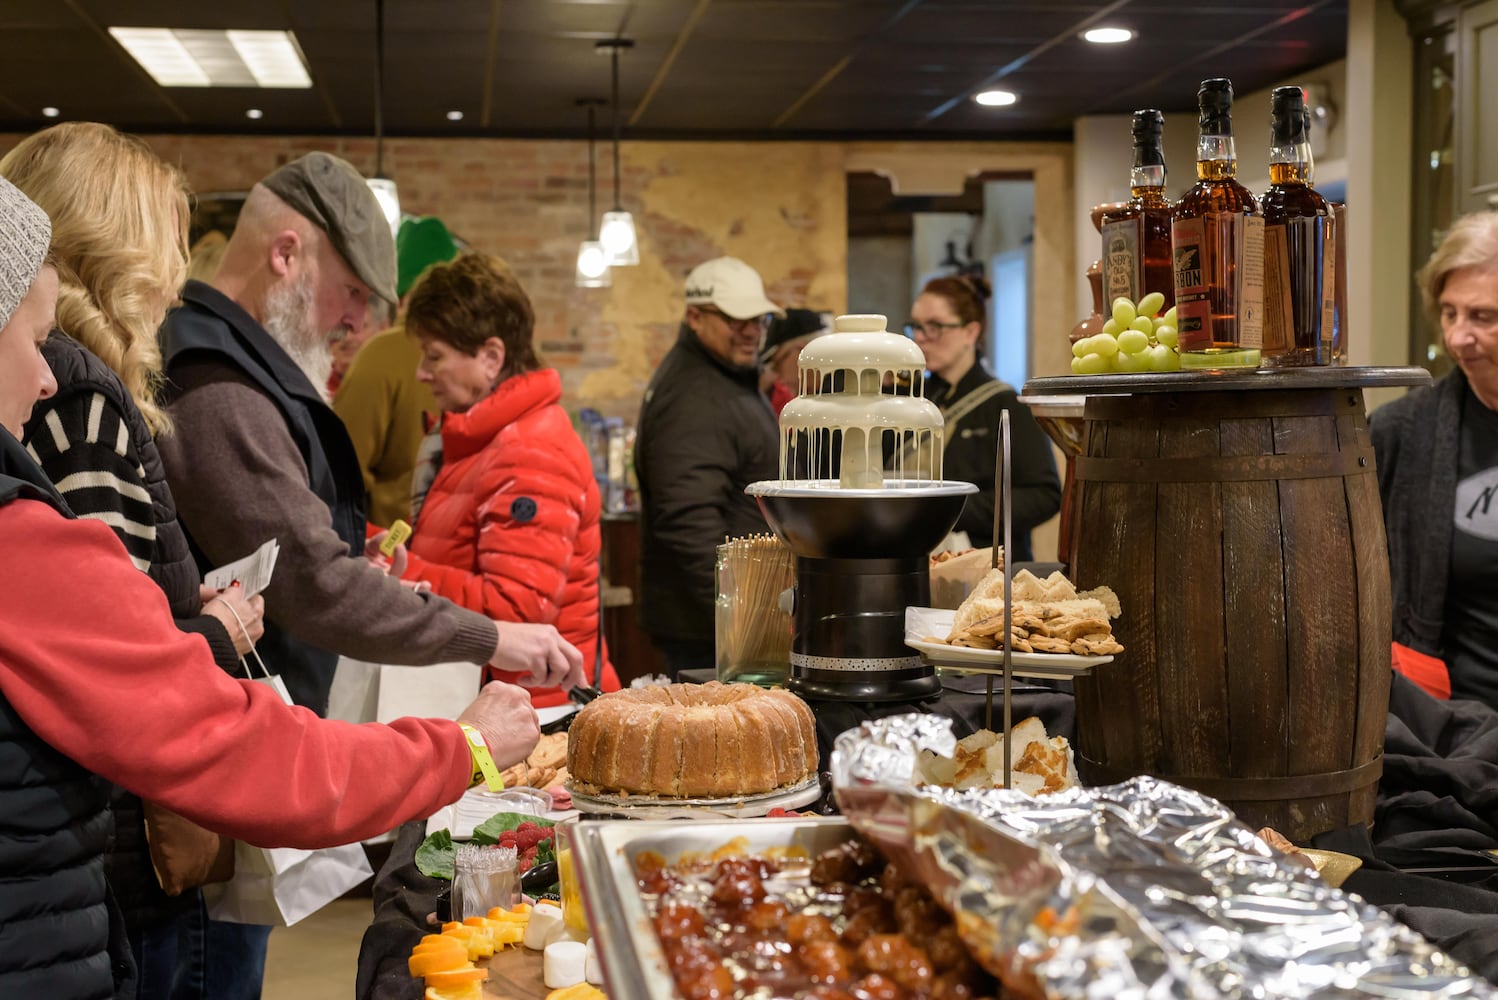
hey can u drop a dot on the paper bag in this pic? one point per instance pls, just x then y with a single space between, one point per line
370 692
280 886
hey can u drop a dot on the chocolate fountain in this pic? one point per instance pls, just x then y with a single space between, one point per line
862 537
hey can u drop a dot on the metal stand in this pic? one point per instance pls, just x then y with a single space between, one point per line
1004 530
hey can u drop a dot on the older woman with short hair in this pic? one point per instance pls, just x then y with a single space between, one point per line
1438 477
508 525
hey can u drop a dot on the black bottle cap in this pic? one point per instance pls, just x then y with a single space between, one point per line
1148 123
1289 118
1215 100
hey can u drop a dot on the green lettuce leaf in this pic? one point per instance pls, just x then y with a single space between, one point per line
435 857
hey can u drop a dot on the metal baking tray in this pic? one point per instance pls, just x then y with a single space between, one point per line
603 852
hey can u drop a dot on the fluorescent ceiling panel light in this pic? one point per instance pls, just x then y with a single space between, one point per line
273 57
162 55
189 57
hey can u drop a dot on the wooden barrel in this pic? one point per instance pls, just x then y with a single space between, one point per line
1243 534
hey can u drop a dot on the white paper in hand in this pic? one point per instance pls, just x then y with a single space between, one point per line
253 572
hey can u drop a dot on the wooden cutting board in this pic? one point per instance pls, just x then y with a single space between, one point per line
515 974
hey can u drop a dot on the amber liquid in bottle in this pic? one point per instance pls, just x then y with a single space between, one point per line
1136 239
1217 243
1299 248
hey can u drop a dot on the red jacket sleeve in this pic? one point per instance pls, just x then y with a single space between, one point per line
527 524
90 659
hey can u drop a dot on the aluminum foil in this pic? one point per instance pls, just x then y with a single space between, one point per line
1142 889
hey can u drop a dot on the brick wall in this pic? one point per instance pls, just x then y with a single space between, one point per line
780 206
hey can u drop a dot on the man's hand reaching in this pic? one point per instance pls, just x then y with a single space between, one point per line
539 652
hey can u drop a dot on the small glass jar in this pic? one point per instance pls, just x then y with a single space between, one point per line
484 877
753 625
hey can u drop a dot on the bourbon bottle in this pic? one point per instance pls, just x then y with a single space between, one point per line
1136 238
1217 248
1300 256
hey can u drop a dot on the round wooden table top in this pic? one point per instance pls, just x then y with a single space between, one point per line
1228 380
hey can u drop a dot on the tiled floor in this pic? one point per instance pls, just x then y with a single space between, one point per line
318 958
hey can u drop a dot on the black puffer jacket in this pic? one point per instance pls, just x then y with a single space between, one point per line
59 932
109 458
705 433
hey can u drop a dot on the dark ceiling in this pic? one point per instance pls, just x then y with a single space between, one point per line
699 68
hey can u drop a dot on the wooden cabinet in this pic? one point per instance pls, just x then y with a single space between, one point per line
630 648
1476 145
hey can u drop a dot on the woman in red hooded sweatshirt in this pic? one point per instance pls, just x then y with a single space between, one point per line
508 525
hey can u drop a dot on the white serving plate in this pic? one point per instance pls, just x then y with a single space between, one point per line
923 622
803 793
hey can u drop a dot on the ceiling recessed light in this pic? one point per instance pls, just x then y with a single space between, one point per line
1108 36
50 112
190 57
254 113
455 116
996 98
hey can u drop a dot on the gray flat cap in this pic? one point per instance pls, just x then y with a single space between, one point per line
332 195
25 235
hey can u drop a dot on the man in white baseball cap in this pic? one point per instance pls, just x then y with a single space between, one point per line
705 432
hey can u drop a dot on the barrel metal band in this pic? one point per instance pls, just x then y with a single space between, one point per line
1227 406
1224 468
808 661
1293 786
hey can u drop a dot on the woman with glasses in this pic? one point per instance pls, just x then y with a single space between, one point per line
946 322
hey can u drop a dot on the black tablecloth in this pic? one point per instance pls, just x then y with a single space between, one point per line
1425 860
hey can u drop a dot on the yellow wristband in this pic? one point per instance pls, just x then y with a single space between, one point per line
483 763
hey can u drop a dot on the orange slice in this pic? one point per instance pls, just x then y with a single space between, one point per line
429 962
467 991
456 977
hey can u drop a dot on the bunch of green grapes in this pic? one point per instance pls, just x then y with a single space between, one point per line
1133 340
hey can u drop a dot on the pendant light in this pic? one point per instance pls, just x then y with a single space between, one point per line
382 186
617 232
592 258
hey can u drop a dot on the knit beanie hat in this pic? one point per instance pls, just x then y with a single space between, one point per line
420 244
25 235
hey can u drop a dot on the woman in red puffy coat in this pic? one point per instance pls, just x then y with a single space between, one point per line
509 525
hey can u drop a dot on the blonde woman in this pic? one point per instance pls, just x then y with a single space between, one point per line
119 242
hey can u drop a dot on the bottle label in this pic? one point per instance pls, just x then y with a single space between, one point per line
1250 283
1279 303
1123 259
1193 309
1218 260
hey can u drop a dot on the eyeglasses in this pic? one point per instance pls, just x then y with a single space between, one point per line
755 323
929 330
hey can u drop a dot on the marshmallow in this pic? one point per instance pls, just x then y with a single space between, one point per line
592 971
544 919
564 964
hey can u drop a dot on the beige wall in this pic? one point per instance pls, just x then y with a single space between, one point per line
1379 269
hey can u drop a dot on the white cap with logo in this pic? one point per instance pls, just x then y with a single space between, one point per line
731 286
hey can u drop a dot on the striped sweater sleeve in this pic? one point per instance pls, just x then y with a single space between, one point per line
81 441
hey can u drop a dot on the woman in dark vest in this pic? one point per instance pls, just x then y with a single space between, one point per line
946 322
119 240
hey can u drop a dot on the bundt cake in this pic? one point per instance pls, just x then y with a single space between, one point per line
692 741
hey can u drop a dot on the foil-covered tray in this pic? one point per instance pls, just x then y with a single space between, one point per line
603 851
1142 889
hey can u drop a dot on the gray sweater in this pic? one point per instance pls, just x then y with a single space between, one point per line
239 480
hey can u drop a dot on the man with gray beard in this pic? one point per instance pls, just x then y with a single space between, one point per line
257 454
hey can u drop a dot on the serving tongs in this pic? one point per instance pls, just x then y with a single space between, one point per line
1003 528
